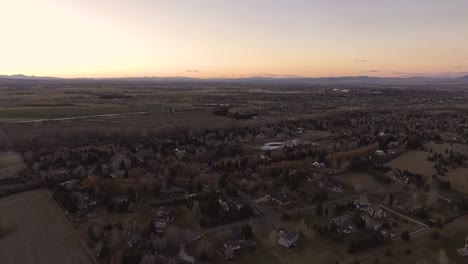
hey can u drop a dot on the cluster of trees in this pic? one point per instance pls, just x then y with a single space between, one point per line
365 241
64 198
118 205
341 208
453 160
319 197
213 214
236 115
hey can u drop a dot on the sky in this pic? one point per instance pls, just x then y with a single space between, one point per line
227 38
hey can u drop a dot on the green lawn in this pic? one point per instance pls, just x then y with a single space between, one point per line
6 229
259 256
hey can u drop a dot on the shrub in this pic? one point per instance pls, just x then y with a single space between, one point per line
435 235
405 236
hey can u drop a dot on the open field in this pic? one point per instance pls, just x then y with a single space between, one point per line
261 255
10 162
41 234
413 161
458 179
318 250
423 248
67 112
359 181
462 148
416 162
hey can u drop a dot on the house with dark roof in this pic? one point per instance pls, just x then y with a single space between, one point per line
164 217
344 224
228 205
71 185
83 200
231 248
287 238
136 242
166 190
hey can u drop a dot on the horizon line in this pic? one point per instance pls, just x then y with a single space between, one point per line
447 75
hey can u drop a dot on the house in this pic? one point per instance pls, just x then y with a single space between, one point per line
323 182
364 207
136 242
464 251
207 188
436 217
71 185
118 174
162 259
184 256
230 248
280 199
254 176
362 204
344 224
318 164
336 188
164 190
409 207
119 204
164 217
206 168
445 198
228 205
287 238
376 212
380 153
83 200
180 152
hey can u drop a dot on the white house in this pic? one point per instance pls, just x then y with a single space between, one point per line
380 153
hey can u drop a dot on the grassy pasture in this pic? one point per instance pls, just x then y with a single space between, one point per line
41 233
416 162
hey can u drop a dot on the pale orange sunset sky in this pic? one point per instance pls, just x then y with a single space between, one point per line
224 38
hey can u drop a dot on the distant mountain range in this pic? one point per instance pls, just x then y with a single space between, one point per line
351 80
464 78
25 77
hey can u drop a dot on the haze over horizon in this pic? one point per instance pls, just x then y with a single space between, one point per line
206 39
